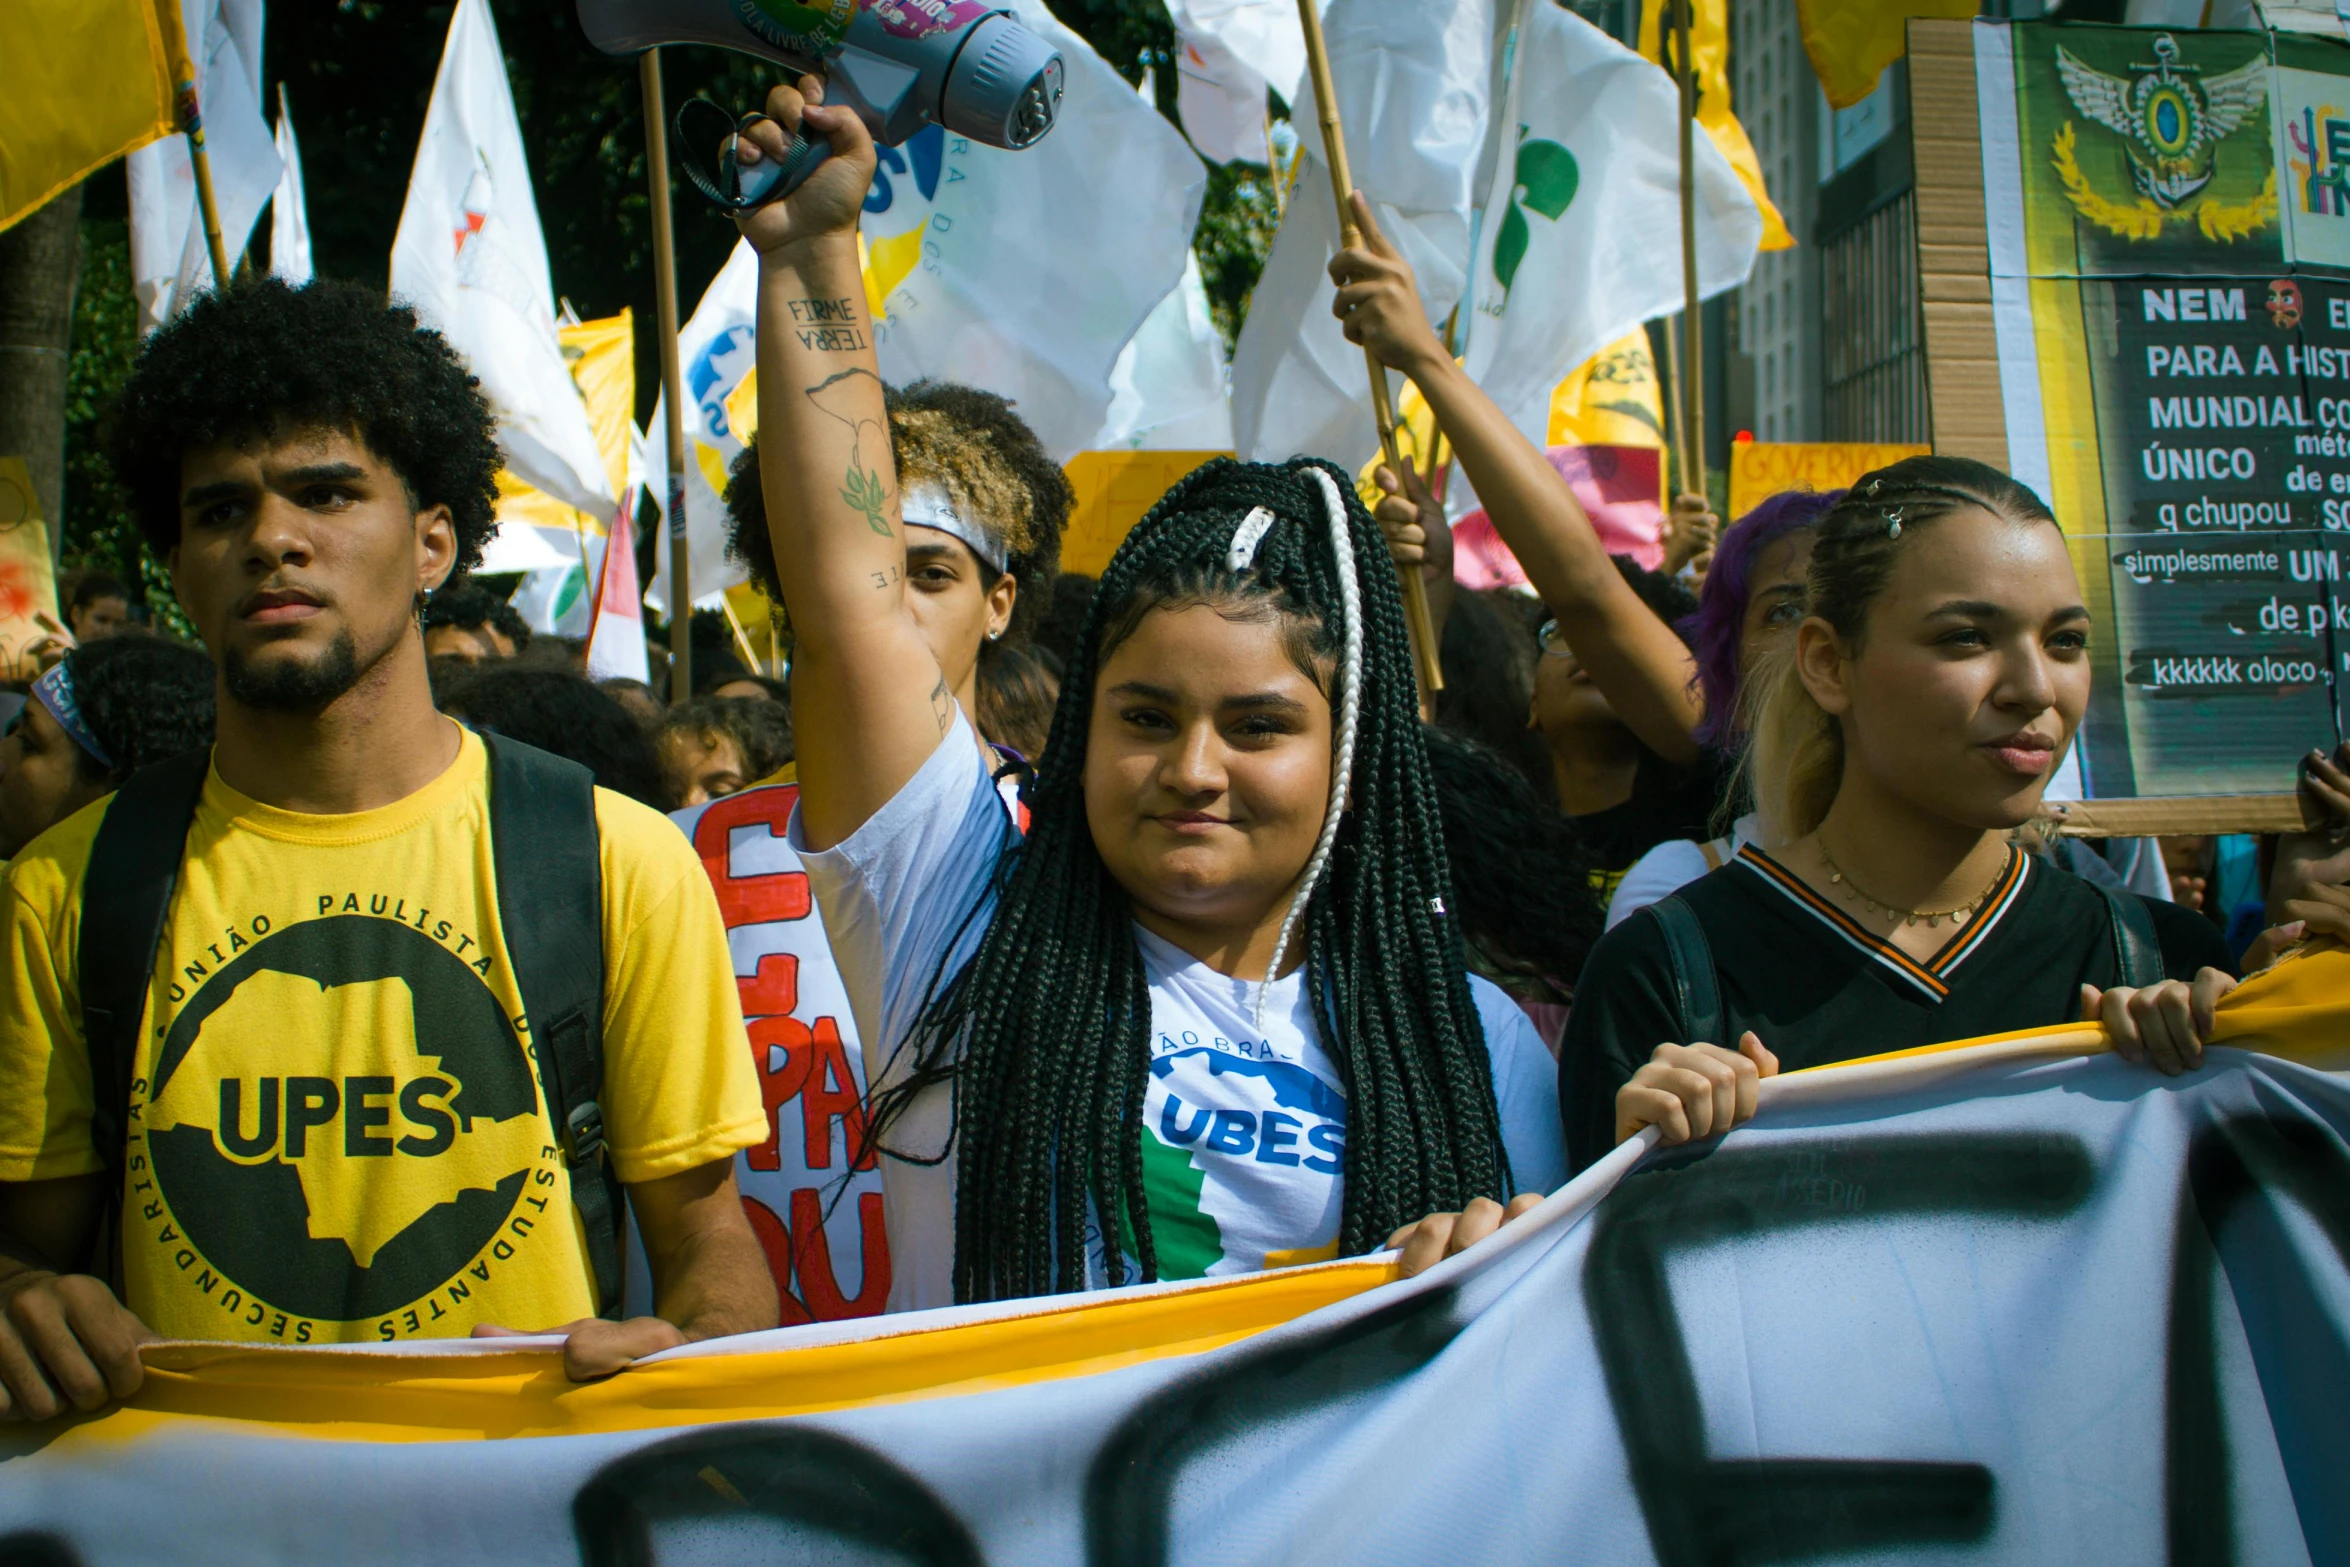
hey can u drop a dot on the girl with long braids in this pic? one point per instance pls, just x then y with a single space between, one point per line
1211 1015
1897 741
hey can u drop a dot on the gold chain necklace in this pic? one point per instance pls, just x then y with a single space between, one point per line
1928 917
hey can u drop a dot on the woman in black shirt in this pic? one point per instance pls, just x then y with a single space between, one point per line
1897 744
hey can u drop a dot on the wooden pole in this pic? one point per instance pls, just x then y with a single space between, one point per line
207 206
1677 409
1693 378
681 597
1415 592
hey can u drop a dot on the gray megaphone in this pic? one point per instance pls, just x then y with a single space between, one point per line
901 64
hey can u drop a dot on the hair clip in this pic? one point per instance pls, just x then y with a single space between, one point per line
1874 486
1893 523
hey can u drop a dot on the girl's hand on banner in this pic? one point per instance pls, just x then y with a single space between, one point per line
65 1343
594 1348
1692 1091
1442 1235
2164 1025
1378 303
827 203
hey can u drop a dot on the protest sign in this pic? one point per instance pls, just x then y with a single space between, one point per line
28 585
2013 1301
1761 469
2145 320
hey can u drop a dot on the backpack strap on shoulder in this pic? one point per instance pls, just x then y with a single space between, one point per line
548 856
2137 950
133 869
1697 993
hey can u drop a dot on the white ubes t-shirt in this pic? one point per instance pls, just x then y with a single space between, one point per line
1245 1129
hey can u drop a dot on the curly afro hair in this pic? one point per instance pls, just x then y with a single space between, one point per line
975 447
264 360
144 698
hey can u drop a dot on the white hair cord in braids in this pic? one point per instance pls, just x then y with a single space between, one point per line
1342 745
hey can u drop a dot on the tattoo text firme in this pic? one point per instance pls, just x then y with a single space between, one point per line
827 325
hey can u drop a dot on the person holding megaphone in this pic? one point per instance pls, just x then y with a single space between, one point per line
1209 1014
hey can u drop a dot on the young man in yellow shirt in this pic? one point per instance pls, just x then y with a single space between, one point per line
331 1117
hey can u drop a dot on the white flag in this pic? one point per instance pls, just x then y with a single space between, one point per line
1227 53
471 258
1024 273
289 213
1414 88
1167 391
716 351
1580 239
171 260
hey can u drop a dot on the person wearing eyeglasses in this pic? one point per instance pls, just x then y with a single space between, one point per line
1622 795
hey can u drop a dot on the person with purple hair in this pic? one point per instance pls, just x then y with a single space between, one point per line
1752 600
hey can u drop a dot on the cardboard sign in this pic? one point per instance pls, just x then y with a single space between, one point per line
1114 490
1761 469
2165 358
28 579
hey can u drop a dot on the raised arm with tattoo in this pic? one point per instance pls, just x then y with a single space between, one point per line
868 703
1634 658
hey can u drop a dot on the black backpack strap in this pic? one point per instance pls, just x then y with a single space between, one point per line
127 884
551 907
1696 991
2137 950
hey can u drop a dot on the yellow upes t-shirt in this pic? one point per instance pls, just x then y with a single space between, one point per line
335 1129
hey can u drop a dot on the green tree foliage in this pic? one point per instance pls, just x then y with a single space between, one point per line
98 531
1234 236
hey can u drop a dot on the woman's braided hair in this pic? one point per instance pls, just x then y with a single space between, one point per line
1046 1031
1795 759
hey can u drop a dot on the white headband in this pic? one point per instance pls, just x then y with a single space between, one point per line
924 504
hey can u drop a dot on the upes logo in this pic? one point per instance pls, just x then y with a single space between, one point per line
342 1117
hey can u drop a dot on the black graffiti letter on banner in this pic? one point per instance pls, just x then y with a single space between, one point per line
2241 1157
1702 1509
746 1492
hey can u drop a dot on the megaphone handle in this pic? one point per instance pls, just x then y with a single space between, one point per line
772 181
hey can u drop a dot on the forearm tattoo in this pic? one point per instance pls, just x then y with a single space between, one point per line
827 325
838 396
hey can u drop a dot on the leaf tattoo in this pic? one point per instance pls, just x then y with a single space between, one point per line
864 493
839 397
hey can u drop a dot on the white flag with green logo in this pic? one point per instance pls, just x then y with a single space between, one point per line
1579 240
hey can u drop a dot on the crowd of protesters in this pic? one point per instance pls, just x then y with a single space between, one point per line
1174 871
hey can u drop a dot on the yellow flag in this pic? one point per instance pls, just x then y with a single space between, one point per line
82 82
1611 399
1852 41
1709 46
602 357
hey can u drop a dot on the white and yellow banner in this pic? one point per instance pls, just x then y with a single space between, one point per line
2008 1301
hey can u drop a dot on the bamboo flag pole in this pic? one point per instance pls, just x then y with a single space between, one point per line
1415 592
1693 380
1678 409
681 598
191 122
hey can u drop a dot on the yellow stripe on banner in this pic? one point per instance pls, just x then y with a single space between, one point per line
442 1398
2291 1010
